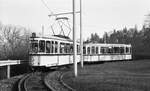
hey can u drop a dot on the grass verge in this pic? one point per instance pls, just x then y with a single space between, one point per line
112 76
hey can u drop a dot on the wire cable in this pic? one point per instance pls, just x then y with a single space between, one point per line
47 6
55 17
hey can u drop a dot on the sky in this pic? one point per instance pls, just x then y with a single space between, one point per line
99 16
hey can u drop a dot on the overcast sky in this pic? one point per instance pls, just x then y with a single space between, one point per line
98 15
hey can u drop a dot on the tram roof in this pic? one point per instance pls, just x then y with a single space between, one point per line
107 45
54 38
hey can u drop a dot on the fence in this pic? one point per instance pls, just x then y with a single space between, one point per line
8 63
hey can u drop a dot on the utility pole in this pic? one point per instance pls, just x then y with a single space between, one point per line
81 39
74 40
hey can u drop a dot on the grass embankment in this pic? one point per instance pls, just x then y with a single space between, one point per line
112 76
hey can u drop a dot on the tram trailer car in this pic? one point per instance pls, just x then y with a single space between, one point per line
94 52
51 51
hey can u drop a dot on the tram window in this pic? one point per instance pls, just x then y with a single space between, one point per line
34 46
62 45
48 45
130 50
41 46
127 49
71 48
121 49
109 50
88 50
112 50
106 50
84 50
97 50
116 50
102 50
68 48
56 46
65 48
52 47
93 50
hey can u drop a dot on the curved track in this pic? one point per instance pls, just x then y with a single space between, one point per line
55 82
33 82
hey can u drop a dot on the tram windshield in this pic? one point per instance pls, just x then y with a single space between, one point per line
34 46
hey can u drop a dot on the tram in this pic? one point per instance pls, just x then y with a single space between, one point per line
51 51
106 52
57 50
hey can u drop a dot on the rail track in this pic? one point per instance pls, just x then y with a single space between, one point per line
42 81
54 81
33 82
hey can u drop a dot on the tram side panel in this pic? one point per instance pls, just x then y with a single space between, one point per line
64 59
107 53
112 57
43 60
49 61
34 60
67 59
91 58
56 60
128 57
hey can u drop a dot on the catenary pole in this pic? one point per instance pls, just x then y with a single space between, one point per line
74 40
81 39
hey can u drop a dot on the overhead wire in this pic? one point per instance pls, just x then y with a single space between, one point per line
54 15
50 12
46 6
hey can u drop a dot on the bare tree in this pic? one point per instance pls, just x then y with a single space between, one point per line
14 42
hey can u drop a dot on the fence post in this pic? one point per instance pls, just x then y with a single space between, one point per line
8 71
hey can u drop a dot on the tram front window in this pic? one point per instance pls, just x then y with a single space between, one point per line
41 46
34 46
